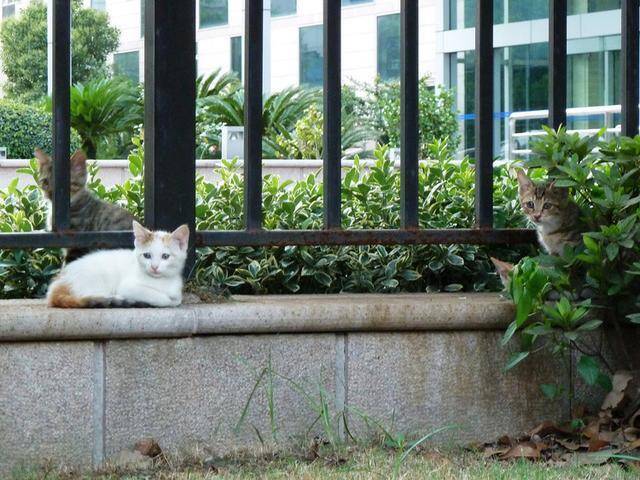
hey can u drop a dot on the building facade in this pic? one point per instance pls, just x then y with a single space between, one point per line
371 38
521 60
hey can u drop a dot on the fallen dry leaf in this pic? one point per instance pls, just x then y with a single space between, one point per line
633 445
148 447
595 445
617 396
524 450
548 428
568 444
492 451
592 430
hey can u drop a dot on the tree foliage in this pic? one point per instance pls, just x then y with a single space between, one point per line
23 43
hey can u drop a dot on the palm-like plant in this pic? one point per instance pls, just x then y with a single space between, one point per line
217 84
104 107
281 111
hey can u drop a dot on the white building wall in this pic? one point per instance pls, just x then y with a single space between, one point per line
359 38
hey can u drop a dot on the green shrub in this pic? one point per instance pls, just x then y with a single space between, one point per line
596 284
23 128
370 200
379 104
25 273
306 141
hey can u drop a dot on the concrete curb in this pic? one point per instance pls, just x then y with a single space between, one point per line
31 320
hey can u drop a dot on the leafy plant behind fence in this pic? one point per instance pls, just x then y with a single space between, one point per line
370 200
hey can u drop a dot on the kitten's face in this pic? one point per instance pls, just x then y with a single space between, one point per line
78 172
544 204
161 254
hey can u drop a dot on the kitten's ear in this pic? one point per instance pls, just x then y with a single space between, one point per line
141 234
559 192
78 159
181 235
503 269
42 157
524 182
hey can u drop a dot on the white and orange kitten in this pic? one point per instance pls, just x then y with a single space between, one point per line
148 275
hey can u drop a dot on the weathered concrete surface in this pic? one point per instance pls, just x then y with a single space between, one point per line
449 378
184 376
32 320
194 391
46 397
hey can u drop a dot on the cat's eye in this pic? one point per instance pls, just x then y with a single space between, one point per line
529 205
146 255
546 206
165 256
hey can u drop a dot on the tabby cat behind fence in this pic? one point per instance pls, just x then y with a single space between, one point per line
555 215
87 212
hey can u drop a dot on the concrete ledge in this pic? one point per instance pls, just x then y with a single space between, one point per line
79 386
31 320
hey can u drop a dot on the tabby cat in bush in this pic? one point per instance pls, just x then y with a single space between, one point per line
148 275
555 215
87 212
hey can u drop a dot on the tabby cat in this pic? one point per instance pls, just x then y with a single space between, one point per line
87 212
555 215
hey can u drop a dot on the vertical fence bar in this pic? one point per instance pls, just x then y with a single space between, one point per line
170 96
484 114
409 121
332 148
557 63
253 115
61 73
629 67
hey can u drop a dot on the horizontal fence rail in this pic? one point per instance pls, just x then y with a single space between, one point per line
170 69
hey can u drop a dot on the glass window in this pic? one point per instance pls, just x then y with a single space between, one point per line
615 77
529 76
213 13
283 7
588 6
462 78
98 4
519 11
462 13
585 87
8 9
236 55
389 46
346 3
127 64
311 55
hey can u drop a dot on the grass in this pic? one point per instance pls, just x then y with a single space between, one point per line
370 463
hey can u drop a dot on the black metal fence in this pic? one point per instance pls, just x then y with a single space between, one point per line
169 175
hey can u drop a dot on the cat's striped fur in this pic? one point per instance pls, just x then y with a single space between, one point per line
87 212
555 215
